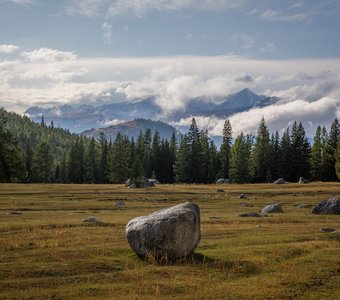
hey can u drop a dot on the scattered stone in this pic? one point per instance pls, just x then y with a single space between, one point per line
330 206
169 233
251 214
245 204
132 186
303 180
327 229
154 181
120 203
272 208
301 206
220 191
92 219
280 181
128 182
227 181
220 180
242 196
14 213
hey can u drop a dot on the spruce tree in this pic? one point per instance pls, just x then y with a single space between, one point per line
12 167
285 156
261 154
240 154
196 157
156 157
337 163
91 163
330 152
42 169
316 155
300 148
103 156
119 160
274 157
225 150
182 165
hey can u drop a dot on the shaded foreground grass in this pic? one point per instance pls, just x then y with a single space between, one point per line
47 252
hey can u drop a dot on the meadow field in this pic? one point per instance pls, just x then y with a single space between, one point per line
48 252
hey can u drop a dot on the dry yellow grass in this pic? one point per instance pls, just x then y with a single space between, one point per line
47 252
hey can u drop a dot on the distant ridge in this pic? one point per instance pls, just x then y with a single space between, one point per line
132 129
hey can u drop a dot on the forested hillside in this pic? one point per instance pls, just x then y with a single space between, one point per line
31 152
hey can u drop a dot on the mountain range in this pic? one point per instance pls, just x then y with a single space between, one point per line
95 119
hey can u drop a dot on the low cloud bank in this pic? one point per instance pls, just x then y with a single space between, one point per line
53 77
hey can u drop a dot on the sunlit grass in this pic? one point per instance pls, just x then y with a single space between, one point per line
48 252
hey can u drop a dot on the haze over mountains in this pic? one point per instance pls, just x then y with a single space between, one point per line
88 118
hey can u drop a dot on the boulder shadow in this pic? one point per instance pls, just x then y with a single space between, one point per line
232 267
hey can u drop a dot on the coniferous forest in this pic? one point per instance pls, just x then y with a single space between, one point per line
42 153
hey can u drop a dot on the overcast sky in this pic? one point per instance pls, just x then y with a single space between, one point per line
97 51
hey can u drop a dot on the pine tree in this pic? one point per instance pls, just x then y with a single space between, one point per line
103 156
12 167
225 150
119 160
300 148
156 157
29 159
196 158
261 154
337 163
182 165
274 157
316 155
91 163
285 156
240 154
76 161
42 170
330 147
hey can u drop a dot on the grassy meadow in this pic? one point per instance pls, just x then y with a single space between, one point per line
48 252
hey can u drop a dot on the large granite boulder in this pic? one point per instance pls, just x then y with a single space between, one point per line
169 233
330 206
272 208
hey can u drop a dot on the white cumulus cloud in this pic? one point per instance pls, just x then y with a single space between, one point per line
48 55
8 48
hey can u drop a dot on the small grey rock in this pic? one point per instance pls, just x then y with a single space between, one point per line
303 180
220 191
14 213
301 206
120 203
251 214
327 229
245 204
220 181
280 181
242 196
91 219
272 208
330 206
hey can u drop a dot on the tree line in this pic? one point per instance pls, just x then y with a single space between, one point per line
41 153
